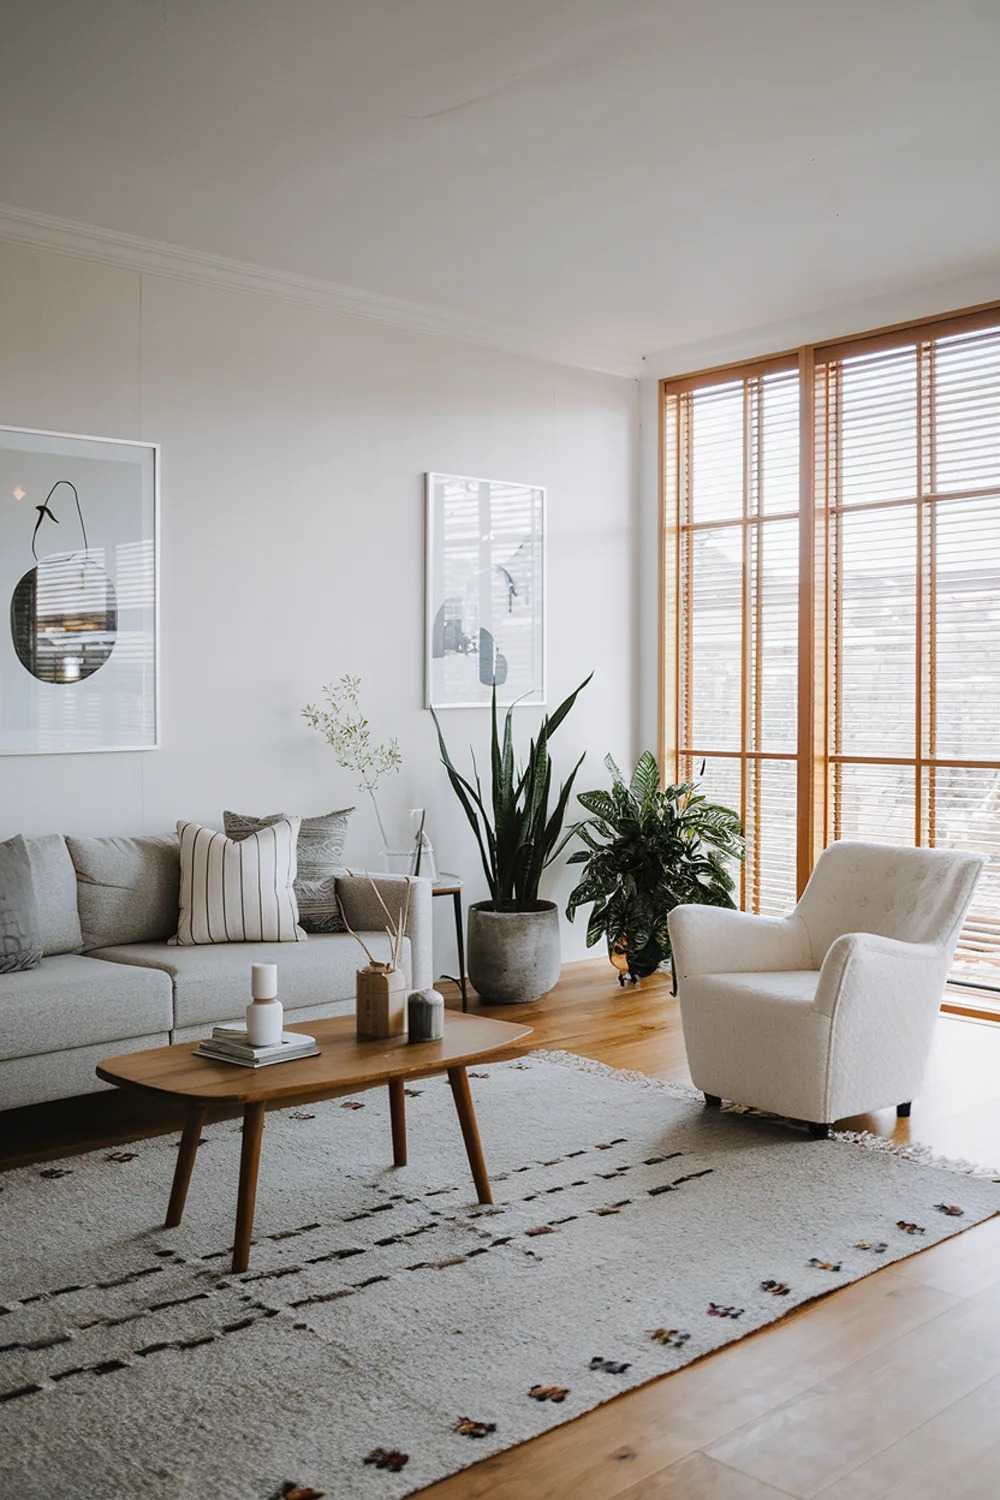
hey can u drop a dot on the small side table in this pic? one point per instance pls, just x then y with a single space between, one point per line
451 885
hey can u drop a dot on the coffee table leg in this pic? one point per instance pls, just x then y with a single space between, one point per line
186 1152
470 1132
397 1111
253 1132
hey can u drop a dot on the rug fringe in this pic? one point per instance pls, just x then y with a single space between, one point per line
906 1151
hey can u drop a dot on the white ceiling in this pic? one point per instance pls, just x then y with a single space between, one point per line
611 176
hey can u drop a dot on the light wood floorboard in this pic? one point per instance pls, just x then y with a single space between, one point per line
888 1388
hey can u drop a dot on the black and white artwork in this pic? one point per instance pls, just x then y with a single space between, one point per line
485 591
78 577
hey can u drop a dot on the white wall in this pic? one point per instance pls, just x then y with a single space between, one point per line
294 444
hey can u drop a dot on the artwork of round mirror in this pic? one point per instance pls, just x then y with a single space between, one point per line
64 618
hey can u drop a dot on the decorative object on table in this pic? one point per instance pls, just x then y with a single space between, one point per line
425 1016
514 937
20 932
648 849
418 859
348 733
485 591
234 1044
319 858
238 890
381 987
67 685
839 1012
451 885
759 1209
265 1013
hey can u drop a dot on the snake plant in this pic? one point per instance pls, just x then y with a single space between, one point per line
516 834
648 849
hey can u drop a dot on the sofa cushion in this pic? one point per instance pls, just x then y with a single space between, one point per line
320 853
54 881
126 889
212 981
235 891
72 1001
20 944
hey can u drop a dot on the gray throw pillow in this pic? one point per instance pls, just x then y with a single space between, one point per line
20 937
320 856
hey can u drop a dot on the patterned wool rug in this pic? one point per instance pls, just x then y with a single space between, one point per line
390 1331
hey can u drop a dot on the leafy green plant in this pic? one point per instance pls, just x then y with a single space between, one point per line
648 849
517 836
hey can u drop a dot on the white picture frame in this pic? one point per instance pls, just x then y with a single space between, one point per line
80 585
485 591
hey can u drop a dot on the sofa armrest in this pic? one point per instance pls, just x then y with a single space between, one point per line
863 969
363 911
717 940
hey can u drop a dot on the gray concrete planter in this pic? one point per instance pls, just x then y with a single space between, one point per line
513 955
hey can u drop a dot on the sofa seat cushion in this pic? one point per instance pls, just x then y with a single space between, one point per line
73 1001
212 981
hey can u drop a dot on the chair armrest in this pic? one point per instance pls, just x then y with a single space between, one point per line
716 940
364 913
864 967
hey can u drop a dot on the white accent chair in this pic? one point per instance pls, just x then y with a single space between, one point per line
828 1012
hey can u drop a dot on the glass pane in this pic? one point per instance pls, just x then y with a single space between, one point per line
872 802
773 629
966 621
873 692
719 782
771 847
716 477
774 444
967 411
878 450
713 564
962 811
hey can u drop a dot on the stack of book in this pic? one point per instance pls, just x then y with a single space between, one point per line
231 1044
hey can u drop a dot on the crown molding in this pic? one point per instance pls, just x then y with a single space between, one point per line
131 252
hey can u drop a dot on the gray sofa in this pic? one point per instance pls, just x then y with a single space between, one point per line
110 982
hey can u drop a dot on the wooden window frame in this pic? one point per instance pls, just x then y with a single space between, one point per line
813 754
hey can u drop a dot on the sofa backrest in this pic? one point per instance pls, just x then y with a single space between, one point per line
54 880
126 889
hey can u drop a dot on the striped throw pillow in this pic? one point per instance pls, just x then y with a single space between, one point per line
238 892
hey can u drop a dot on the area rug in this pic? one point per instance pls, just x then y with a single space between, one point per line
390 1331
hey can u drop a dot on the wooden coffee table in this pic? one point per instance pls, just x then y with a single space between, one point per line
344 1066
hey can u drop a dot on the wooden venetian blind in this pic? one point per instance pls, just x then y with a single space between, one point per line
731 473
907 496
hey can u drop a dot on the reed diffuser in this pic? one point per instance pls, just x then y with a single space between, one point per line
381 986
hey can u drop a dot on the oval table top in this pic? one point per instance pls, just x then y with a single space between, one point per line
344 1064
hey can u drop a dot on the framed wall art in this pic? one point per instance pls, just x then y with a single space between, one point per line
485 591
79 555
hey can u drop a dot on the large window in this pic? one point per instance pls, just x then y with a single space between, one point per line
832 603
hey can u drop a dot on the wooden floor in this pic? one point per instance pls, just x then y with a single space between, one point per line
886 1389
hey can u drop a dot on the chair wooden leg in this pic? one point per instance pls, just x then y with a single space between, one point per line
470 1132
819 1132
186 1153
903 1110
397 1113
712 1101
253 1134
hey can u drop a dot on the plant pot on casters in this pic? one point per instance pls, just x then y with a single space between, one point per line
514 955
514 952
